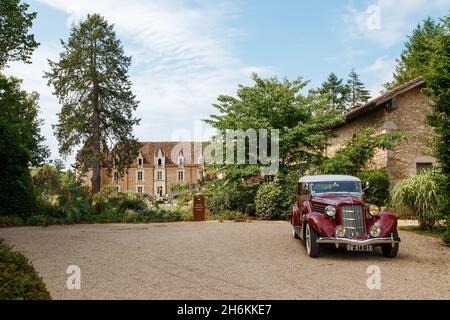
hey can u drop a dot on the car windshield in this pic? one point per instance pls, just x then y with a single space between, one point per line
335 187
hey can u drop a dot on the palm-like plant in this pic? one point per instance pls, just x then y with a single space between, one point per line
423 195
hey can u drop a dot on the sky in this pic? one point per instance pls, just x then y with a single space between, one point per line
185 53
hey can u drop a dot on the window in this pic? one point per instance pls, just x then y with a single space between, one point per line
180 175
180 161
159 191
140 189
140 176
159 162
116 177
140 161
159 175
423 166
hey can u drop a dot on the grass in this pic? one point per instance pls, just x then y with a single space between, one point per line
438 232
228 215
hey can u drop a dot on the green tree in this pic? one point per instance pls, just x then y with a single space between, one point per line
20 110
16 44
304 124
16 188
336 91
91 81
357 152
415 58
358 95
437 78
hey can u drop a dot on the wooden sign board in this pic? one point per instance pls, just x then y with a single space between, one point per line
199 208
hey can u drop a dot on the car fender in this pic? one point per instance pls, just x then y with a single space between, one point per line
324 226
386 221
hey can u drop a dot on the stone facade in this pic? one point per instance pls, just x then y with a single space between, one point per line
402 110
158 167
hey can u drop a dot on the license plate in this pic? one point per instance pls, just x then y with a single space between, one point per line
359 247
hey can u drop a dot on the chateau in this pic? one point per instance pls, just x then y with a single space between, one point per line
158 167
403 109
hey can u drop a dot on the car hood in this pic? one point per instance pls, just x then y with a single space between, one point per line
336 199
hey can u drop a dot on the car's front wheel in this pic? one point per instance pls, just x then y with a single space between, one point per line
389 250
312 247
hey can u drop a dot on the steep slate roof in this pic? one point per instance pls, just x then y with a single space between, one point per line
381 101
150 149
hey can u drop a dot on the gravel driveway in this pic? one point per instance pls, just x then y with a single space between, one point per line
213 260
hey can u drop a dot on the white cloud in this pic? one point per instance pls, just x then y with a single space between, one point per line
33 81
183 58
378 73
397 18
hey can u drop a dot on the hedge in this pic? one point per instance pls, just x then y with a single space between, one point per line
18 279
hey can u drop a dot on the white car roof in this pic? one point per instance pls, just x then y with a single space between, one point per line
327 178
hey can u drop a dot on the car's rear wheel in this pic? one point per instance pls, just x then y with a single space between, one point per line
389 250
312 247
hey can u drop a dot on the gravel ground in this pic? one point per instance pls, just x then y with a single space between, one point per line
213 260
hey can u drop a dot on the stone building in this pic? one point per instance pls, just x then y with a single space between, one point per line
403 109
158 167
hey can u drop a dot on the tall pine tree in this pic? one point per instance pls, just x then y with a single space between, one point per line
415 59
91 81
336 91
358 94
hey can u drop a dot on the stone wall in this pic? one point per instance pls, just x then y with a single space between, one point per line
374 119
410 117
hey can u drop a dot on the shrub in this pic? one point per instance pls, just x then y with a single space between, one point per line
74 200
19 280
10 221
378 192
222 197
447 232
423 194
272 202
229 215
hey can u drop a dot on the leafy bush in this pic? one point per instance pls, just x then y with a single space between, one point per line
19 280
229 215
378 192
423 194
272 202
10 221
221 197
447 232
74 200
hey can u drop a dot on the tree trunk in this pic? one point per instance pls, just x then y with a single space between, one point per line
96 150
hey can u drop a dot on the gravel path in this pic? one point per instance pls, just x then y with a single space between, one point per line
212 260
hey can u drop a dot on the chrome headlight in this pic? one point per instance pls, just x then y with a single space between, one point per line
330 211
373 210
375 231
340 232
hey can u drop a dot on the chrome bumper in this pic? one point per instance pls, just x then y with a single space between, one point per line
373 241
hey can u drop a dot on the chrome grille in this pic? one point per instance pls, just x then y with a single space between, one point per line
317 207
353 220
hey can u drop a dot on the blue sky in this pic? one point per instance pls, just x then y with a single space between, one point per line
187 52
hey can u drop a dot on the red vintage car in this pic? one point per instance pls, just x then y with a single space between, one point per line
330 210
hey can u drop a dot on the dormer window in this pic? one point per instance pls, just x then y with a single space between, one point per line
140 160
180 161
159 162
